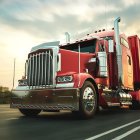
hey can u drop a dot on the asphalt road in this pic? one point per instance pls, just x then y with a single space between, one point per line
106 125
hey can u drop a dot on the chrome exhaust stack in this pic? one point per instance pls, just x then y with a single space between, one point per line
125 98
118 52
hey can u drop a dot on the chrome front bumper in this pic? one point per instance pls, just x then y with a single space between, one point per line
46 99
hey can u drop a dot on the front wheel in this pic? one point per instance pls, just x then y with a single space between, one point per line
88 100
30 112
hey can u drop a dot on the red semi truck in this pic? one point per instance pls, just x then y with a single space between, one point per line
101 69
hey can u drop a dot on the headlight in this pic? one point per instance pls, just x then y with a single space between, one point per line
22 82
62 79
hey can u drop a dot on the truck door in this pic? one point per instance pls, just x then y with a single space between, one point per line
127 64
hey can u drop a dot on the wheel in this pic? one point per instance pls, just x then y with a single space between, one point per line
88 100
30 112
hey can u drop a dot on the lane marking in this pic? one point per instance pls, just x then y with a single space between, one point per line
112 130
11 119
9 111
127 133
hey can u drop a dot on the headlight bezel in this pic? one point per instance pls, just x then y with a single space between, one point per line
22 82
64 79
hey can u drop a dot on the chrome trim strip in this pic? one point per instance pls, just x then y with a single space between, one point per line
45 65
64 85
26 88
39 69
53 65
36 70
48 80
65 96
33 71
126 103
29 70
113 104
42 69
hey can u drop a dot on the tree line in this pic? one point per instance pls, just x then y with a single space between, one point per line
5 95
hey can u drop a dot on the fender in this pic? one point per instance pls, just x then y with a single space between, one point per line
79 79
83 77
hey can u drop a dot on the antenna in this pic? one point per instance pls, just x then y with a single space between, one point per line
105 18
14 73
106 13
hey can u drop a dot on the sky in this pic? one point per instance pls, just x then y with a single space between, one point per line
27 23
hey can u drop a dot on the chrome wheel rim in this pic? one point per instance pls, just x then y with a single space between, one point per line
89 99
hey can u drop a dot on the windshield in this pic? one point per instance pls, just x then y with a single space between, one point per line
86 46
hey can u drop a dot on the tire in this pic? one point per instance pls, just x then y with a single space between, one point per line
88 100
30 112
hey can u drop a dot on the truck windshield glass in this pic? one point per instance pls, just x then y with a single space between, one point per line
86 46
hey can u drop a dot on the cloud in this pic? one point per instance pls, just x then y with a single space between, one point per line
49 19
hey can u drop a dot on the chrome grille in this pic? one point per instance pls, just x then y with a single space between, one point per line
40 69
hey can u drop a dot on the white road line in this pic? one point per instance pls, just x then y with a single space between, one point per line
112 130
9 111
127 133
11 119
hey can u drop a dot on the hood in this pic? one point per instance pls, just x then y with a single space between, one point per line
70 61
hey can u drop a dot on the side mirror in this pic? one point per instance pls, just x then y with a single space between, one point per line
110 46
